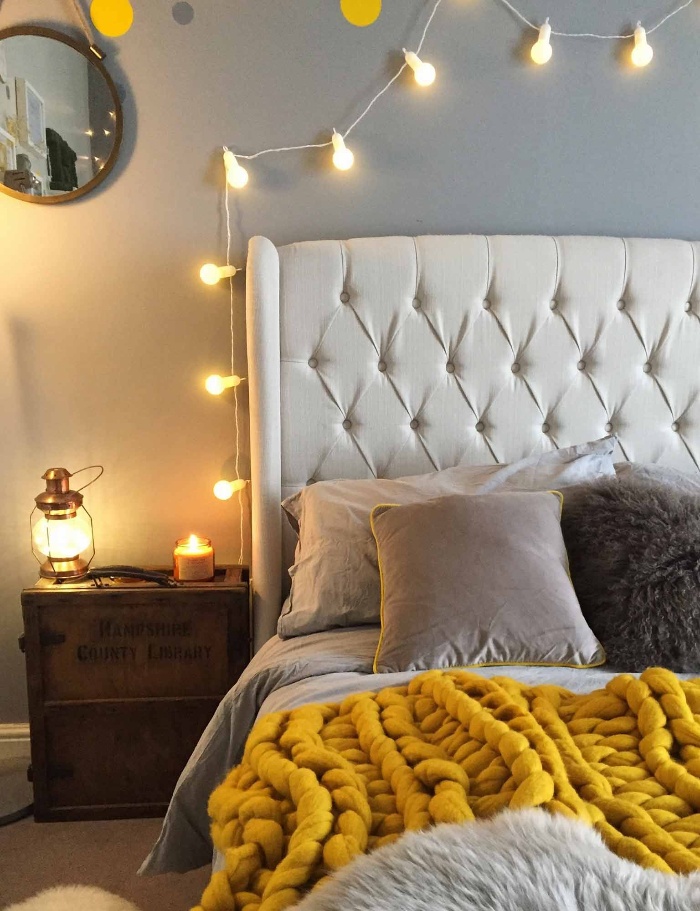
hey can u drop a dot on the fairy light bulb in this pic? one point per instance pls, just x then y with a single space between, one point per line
224 490
212 275
216 384
236 174
424 72
642 52
342 156
541 51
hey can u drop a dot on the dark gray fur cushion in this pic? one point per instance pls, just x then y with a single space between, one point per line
634 555
659 474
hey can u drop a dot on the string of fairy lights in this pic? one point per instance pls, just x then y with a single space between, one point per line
425 74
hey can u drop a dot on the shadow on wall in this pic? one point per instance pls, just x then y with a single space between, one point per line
20 377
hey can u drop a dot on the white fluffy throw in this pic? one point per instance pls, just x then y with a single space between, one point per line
517 861
74 898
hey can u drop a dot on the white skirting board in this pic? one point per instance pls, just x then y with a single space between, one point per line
14 741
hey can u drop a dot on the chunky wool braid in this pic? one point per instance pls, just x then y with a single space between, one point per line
321 784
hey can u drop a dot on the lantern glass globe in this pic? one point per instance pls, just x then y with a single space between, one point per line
62 539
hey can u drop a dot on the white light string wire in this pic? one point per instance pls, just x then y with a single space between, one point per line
396 76
436 4
318 145
628 35
233 372
325 145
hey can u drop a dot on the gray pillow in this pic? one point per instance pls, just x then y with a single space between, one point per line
659 474
470 581
634 552
335 579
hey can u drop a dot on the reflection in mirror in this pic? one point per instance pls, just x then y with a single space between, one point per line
60 120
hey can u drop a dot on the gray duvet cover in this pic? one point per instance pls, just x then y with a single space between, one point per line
322 667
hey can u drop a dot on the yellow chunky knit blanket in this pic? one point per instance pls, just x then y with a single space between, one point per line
323 783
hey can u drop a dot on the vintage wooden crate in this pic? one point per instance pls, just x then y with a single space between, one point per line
122 681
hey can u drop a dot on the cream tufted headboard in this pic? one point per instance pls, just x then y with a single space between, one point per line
398 355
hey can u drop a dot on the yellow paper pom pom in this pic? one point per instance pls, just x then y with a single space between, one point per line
112 18
361 12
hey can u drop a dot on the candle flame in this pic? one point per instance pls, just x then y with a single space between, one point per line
193 542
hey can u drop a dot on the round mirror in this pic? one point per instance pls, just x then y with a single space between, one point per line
60 117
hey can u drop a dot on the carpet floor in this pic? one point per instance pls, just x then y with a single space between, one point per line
34 856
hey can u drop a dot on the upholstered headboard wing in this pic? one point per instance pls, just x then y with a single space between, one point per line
399 355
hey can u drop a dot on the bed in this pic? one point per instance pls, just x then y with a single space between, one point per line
398 356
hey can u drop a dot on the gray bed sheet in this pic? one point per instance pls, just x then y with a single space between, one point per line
322 667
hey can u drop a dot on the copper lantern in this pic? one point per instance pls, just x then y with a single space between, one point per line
61 527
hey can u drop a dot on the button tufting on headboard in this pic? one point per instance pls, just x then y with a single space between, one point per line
490 340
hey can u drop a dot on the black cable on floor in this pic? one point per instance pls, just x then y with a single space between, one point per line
22 813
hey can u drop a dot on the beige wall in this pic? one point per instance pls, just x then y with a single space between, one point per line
106 333
106 336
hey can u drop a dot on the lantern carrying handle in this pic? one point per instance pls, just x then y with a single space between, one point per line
130 572
96 478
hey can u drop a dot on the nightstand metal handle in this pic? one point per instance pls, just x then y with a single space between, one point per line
46 637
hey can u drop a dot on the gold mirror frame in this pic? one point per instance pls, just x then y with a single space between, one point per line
40 32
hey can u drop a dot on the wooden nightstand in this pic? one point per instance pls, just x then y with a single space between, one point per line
122 681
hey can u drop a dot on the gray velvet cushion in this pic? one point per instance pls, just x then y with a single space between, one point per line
634 552
478 580
335 579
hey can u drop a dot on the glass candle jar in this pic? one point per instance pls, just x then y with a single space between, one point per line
193 559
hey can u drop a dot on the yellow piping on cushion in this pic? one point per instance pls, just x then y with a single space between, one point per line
381 580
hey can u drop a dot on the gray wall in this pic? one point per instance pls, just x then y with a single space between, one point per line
106 333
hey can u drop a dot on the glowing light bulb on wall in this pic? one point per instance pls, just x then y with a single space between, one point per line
424 72
224 490
236 174
212 275
216 384
542 50
343 158
642 52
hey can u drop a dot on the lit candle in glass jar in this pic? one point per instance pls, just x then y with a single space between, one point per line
193 559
